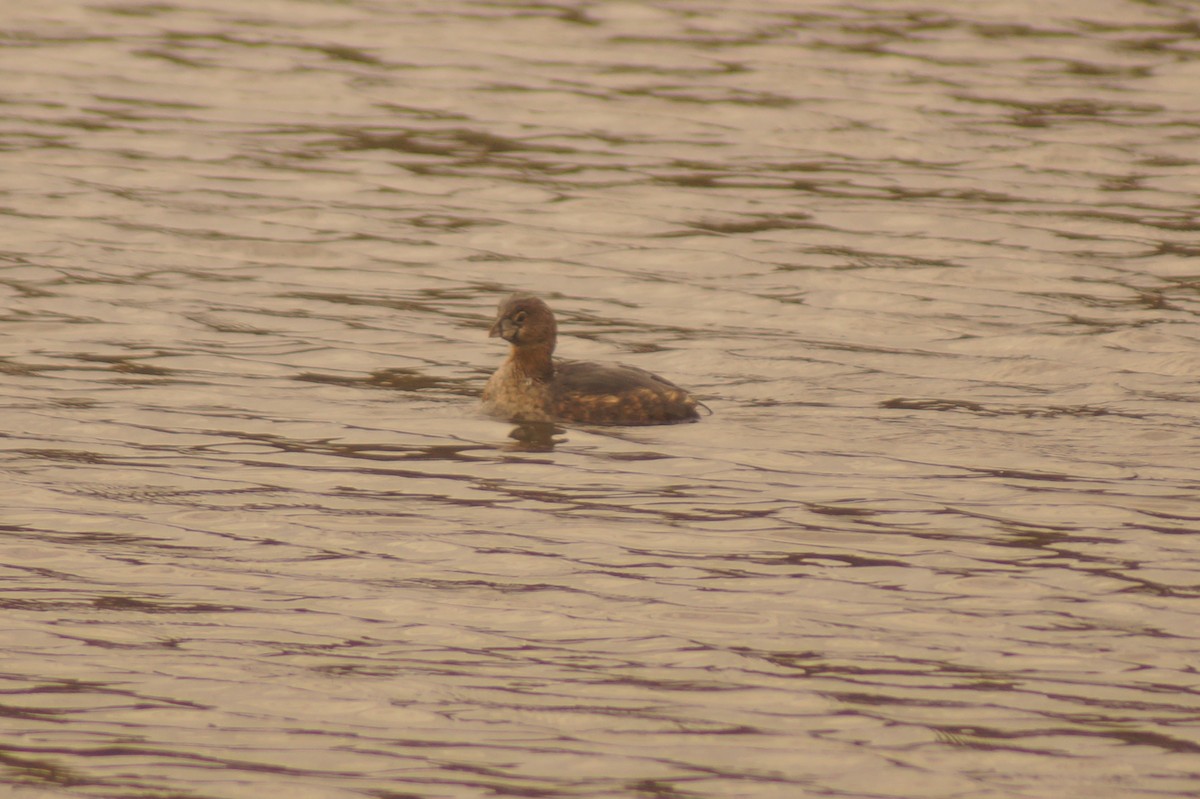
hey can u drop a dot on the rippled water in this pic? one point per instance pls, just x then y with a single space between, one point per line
933 267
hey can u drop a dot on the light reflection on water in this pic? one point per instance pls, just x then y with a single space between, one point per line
932 270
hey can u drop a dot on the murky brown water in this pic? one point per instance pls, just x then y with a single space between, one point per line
934 267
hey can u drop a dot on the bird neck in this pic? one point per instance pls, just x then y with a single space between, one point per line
534 360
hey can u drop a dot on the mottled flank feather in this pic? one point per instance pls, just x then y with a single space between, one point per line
615 394
532 386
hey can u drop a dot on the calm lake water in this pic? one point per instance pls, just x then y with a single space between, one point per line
935 267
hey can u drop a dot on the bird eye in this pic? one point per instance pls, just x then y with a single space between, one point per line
519 317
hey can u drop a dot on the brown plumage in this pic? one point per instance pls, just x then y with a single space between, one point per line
533 386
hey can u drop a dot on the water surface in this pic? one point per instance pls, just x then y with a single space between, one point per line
933 268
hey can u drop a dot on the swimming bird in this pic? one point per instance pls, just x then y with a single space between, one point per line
533 386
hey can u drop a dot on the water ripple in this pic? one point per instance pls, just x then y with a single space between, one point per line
932 270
